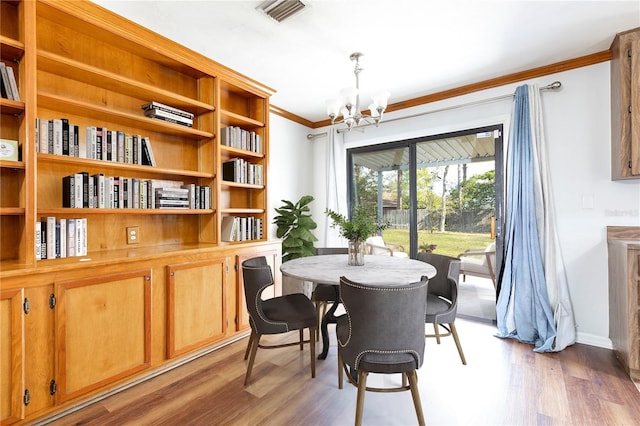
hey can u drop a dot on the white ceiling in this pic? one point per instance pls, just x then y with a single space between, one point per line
411 47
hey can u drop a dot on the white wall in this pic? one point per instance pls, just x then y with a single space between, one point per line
577 123
290 174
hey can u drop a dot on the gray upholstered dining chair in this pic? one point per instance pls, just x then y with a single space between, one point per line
442 299
325 293
382 331
279 314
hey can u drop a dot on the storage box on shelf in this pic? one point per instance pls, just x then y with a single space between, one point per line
96 69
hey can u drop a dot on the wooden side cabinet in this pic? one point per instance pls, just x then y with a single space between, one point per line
625 105
103 331
195 304
624 296
11 356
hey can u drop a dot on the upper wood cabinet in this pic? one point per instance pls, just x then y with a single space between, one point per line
625 105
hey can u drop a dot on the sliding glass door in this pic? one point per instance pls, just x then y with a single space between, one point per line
440 193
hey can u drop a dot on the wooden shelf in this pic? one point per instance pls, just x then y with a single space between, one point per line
234 119
8 106
12 211
230 211
102 113
241 185
7 164
11 49
240 152
78 71
111 165
83 211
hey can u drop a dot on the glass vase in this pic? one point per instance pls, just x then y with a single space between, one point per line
356 253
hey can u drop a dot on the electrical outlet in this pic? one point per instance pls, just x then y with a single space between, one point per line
133 234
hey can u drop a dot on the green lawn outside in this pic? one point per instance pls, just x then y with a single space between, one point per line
448 243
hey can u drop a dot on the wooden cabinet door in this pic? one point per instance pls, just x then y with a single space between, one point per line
242 320
196 304
11 356
103 331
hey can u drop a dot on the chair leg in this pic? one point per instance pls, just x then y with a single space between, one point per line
302 339
252 357
340 364
362 388
454 332
312 349
436 329
249 343
404 380
415 394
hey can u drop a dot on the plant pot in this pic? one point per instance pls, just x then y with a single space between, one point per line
356 253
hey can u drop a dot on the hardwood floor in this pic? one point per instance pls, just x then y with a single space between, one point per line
504 383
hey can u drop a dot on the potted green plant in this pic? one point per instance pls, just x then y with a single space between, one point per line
294 226
362 224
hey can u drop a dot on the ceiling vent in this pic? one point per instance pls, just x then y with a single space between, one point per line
281 9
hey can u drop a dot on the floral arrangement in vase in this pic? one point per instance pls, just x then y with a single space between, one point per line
362 224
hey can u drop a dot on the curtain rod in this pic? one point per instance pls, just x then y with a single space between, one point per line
553 86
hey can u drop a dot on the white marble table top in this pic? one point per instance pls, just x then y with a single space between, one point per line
327 269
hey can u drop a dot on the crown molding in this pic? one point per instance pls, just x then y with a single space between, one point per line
557 67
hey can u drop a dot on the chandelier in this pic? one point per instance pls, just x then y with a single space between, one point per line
348 106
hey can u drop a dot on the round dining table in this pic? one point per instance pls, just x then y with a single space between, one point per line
377 269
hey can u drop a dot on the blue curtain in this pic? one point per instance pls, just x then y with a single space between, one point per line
523 309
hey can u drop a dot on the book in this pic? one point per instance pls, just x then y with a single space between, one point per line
61 233
78 194
91 142
13 84
38 240
65 136
68 191
6 85
153 113
167 108
73 147
229 228
43 135
170 120
147 153
120 146
98 149
43 238
98 190
85 189
57 136
71 237
51 236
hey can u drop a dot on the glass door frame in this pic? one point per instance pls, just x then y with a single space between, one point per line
496 129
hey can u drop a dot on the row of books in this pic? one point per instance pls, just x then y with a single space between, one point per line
8 85
238 228
82 190
241 171
237 137
58 136
59 237
168 113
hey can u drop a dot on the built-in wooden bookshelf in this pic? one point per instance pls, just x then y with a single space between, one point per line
95 68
